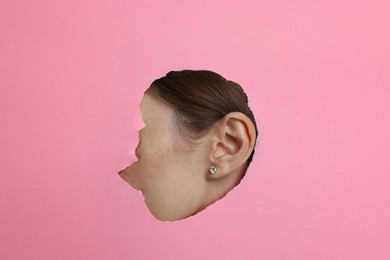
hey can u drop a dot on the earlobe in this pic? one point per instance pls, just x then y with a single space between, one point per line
213 170
234 141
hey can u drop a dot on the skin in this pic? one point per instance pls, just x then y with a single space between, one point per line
173 175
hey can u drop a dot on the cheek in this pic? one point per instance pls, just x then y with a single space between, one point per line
172 196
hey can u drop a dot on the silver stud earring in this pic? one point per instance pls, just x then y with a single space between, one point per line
213 170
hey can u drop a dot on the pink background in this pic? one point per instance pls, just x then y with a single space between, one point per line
317 74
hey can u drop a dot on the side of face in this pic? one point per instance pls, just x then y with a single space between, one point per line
168 172
174 175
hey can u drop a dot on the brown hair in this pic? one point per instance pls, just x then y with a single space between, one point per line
199 99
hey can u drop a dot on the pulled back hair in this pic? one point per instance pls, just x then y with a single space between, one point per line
199 98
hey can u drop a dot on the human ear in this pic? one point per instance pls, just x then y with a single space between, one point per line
233 142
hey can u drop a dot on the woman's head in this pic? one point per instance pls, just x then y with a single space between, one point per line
194 120
199 99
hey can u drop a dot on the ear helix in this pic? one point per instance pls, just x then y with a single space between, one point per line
213 170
